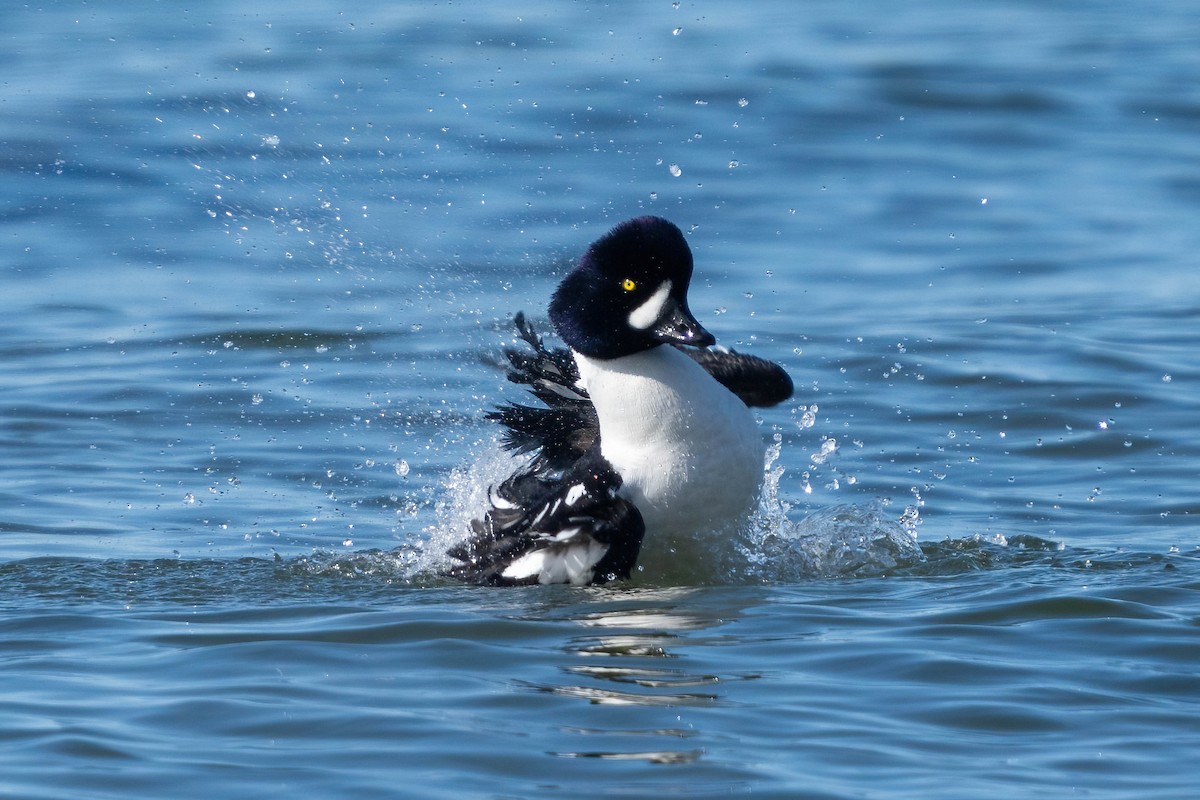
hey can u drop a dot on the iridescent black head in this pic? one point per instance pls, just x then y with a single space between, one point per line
629 293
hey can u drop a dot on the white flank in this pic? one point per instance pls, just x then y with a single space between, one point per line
573 564
526 566
649 312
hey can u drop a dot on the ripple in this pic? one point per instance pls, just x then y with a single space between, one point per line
647 678
652 757
613 697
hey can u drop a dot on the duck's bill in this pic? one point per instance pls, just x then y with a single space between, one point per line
678 326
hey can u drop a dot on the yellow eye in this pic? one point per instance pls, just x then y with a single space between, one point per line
628 284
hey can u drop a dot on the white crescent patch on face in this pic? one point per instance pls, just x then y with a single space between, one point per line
651 309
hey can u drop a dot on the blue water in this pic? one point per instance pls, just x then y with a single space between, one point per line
258 261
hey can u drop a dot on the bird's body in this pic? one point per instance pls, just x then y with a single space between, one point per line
639 436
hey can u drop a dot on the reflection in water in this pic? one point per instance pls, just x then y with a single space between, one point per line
649 678
633 656
659 757
612 697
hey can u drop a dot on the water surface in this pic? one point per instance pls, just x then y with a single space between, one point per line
258 264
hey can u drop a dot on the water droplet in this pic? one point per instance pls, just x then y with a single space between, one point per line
677 31
402 468
675 170
743 102
828 448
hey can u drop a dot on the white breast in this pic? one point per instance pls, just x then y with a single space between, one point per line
688 450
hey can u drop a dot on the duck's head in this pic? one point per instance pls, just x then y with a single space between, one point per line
629 293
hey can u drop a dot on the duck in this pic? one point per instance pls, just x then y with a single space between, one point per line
643 427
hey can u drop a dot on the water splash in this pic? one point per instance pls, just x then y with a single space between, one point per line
464 497
841 540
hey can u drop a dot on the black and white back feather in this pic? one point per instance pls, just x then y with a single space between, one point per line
542 528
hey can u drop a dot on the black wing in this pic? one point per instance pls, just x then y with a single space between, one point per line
574 529
756 381
567 427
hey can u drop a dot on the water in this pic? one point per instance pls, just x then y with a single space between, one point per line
257 265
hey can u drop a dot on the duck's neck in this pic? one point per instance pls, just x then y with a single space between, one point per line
648 397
